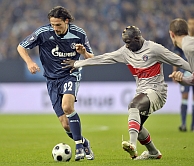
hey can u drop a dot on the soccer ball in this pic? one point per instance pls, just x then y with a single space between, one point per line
61 152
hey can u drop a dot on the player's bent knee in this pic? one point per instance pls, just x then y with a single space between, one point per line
141 102
67 109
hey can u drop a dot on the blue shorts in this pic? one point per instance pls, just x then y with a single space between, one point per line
57 87
185 89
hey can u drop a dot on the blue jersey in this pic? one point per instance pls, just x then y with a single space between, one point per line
53 49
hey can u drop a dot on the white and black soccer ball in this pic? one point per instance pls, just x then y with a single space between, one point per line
62 152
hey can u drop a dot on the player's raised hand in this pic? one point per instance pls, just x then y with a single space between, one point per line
68 64
33 67
80 49
176 76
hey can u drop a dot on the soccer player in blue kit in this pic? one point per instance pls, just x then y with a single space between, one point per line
57 42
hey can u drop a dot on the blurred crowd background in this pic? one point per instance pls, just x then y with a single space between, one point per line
103 20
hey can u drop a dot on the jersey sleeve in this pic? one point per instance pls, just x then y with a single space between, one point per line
166 56
107 58
87 45
86 42
32 40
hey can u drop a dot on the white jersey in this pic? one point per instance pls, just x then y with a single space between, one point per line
146 64
188 49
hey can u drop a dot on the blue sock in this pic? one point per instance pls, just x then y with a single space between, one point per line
85 142
69 134
183 114
75 127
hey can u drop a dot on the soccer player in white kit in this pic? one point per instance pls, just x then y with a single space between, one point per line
185 89
179 35
145 61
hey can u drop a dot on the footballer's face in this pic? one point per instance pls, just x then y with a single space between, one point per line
59 26
132 38
134 44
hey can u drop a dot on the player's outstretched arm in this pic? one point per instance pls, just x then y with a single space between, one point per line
107 58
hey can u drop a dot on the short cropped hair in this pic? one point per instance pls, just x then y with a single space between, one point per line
179 27
60 12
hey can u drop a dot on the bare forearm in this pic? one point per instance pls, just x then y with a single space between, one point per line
24 54
32 66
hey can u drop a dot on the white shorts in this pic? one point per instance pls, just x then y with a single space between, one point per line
157 101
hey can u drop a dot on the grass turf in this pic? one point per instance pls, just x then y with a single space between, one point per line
29 139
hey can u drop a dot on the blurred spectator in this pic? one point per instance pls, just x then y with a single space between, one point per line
102 20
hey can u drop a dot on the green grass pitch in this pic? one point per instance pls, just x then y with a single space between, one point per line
27 140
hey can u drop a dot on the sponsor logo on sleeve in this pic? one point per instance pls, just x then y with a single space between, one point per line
32 38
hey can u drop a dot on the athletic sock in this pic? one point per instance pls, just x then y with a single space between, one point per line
133 125
69 134
79 144
145 139
84 140
75 127
183 112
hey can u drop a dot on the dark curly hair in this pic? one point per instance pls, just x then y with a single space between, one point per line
60 12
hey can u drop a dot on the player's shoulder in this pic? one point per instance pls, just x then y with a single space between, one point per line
155 47
43 29
187 43
153 44
76 29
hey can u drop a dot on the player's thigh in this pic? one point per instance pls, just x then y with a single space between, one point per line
69 91
141 102
157 101
55 97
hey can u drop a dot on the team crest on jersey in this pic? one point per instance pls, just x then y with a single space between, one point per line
73 45
145 57
32 38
